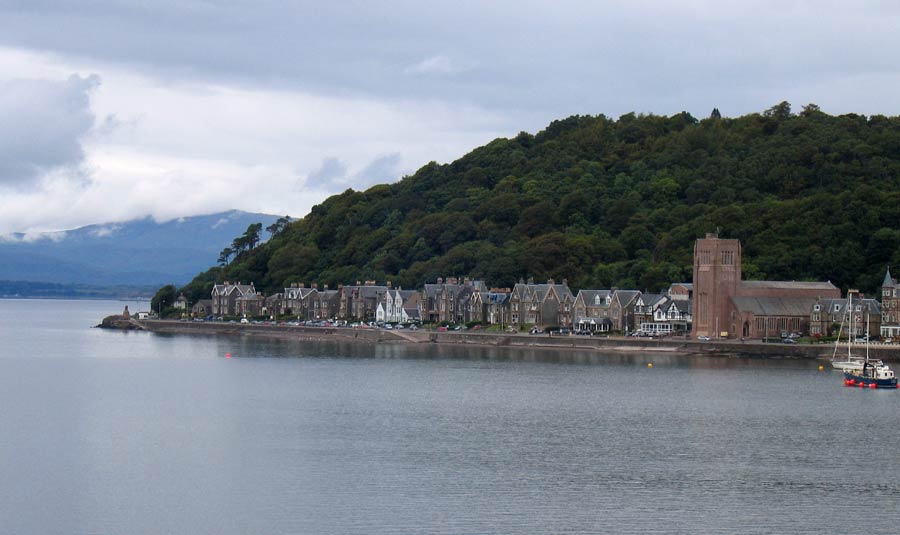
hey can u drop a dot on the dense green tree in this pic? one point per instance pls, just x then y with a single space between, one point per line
608 202
164 299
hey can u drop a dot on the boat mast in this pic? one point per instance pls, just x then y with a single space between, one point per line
850 321
867 336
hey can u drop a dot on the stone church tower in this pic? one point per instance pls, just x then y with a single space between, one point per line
717 277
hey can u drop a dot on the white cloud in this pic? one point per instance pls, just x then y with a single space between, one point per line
105 231
439 65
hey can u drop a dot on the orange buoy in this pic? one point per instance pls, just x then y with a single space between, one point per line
227 355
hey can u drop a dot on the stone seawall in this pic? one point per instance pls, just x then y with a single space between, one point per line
614 344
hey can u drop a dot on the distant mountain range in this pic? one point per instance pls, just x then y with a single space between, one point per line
134 253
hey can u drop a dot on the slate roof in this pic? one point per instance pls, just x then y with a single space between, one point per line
495 298
871 306
652 299
225 289
432 289
775 306
888 280
788 285
589 297
405 295
626 296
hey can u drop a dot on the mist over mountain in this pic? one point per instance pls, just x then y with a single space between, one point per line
141 252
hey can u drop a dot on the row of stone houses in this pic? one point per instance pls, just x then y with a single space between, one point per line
461 301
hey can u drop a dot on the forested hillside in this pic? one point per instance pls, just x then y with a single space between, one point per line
606 202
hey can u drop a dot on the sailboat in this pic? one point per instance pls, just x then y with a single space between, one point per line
872 374
851 361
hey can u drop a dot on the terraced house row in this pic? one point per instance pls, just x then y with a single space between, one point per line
453 300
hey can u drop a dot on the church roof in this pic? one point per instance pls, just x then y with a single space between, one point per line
788 285
775 306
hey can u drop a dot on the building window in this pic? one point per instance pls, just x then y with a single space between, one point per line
817 308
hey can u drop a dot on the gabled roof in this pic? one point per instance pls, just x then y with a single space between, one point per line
432 289
495 298
625 297
589 297
683 306
407 294
226 289
540 291
650 300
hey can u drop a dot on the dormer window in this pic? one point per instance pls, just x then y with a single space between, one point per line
858 308
837 308
817 308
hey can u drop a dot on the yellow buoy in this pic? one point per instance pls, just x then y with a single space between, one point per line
649 364
821 367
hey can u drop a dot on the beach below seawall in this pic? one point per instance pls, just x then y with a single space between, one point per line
614 344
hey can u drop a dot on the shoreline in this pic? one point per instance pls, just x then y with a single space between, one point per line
615 345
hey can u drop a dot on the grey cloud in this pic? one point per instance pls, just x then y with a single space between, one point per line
333 175
529 60
43 125
330 174
380 170
548 59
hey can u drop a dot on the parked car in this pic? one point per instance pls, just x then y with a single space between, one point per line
788 341
704 338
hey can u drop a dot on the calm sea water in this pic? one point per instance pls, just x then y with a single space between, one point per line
130 433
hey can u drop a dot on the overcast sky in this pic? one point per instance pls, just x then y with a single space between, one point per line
116 109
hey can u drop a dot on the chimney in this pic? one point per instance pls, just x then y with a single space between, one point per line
440 280
325 287
530 280
314 285
358 283
388 284
551 282
340 286
565 282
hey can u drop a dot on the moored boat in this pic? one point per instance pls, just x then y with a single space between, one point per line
872 374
